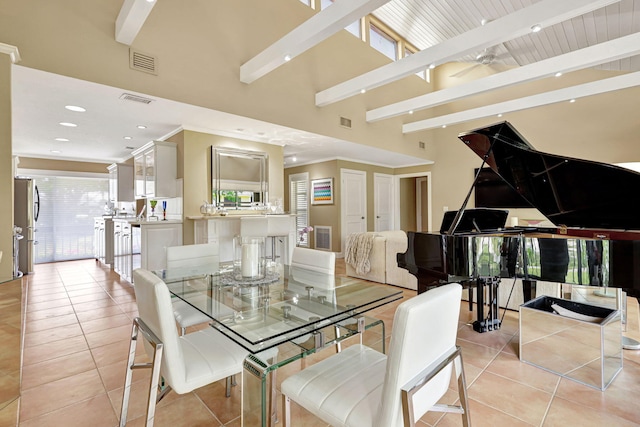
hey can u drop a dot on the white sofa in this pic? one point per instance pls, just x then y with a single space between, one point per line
383 261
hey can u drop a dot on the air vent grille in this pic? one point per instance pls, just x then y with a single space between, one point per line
345 123
136 98
322 237
421 144
142 62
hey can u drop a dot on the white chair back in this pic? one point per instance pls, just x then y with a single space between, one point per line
424 329
313 259
155 309
204 255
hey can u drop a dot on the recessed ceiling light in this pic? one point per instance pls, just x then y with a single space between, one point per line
536 28
572 100
294 159
558 74
150 1
410 111
363 90
432 66
56 151
69 125
127 137
287 58
483 21
444 126
75 108
61 139
141 127
500 115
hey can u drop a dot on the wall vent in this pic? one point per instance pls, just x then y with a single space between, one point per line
142 62
322 237
345 123
136 98
421 144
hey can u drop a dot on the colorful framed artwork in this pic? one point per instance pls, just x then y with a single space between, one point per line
322 191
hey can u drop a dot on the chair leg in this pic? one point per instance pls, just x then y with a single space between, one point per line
228 387
139 326
183 331
286 411
462 391
338 344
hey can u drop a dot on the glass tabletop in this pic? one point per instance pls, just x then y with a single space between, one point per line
289 304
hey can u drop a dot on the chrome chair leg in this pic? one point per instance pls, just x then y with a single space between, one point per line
286 411
140 327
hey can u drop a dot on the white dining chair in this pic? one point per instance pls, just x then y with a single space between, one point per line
206 259
185 362
361 387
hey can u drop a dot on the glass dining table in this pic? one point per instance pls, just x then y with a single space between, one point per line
295 310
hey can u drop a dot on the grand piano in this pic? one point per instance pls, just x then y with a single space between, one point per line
595 240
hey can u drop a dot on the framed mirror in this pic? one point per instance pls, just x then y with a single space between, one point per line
238 177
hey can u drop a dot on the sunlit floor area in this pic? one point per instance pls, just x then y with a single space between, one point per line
78 325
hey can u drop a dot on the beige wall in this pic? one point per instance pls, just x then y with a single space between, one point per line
6 171
62 165
329 215
194 166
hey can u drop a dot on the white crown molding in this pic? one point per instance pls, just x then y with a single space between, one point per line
12 51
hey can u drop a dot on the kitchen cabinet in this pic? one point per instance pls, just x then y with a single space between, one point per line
123 250
120 183
155 170
143 244
156 237
103 249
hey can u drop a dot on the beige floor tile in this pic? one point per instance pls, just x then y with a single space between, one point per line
112 353
94 305
42 352
518 400
105 323
49 313
45 305
94 412
563 412
138 400
51 396
9 413
108 336
98 313
509 366
188 411
113 375
61 294
50 323
58 368
47 336
94 296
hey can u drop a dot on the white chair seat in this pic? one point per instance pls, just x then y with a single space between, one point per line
187 316
208 356
347 387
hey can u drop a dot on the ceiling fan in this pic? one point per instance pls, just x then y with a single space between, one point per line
485 58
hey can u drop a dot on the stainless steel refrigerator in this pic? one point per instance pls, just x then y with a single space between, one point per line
26 210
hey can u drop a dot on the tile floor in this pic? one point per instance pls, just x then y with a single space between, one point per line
78 321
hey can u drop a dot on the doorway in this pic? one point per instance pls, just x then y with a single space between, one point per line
412 207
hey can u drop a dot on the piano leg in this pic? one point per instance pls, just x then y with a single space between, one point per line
528 289
491 322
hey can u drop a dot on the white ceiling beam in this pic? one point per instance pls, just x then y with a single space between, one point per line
131 18
623 47
566 94
12 51
308 34
544 13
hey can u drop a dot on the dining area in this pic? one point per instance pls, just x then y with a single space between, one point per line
260 328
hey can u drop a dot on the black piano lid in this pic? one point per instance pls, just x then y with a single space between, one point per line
568 191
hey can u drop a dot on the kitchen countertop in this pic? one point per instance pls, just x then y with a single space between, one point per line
135 221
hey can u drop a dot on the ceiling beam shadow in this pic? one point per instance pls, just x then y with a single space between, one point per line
319 27
624 81
131 18
544 13
622 47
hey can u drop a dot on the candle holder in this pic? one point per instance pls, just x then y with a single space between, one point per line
249 258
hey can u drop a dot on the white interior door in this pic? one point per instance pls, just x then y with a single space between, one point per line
353 202
383 201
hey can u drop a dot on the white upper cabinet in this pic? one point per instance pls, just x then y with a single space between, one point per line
120 183
155 170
